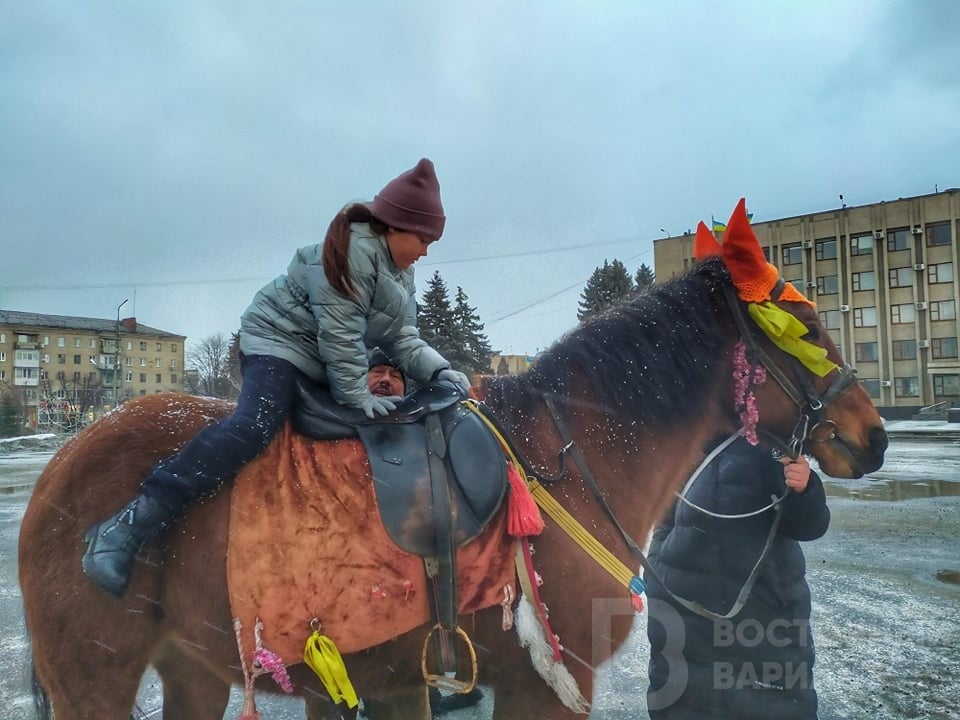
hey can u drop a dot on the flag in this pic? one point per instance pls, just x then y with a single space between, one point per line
721 227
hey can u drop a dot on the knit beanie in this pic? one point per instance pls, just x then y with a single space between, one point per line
411 202
379 357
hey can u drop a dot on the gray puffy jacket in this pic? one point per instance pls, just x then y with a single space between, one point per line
299 317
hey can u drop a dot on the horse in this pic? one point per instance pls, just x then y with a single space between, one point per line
642 391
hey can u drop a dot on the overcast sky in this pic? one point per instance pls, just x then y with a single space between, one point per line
177 153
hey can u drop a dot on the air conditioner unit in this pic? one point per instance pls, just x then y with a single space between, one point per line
917 230
806 244
844 308
811 284
923 343
878 235
919 266
921 305
885 383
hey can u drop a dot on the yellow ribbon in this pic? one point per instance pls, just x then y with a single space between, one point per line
786 332
323 657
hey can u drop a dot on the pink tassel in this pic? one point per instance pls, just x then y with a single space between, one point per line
523 515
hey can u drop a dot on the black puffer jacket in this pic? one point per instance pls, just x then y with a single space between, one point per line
759 664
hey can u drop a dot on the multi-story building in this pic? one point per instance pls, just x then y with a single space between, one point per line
67 370
884 277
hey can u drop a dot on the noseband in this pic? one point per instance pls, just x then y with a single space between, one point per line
811 424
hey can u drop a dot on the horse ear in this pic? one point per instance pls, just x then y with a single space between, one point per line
705 243
743 256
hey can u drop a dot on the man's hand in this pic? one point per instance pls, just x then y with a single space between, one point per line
796 473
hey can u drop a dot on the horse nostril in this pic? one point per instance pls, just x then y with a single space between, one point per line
878 440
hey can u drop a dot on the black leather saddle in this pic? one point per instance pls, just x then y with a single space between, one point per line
432 459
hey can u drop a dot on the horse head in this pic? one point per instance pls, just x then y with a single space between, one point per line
787 366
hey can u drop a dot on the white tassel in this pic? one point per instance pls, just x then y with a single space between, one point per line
555 674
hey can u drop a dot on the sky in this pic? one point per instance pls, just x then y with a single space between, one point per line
175 154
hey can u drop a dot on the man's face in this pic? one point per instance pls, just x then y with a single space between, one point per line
385 381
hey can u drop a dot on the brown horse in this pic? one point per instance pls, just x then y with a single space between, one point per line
643 392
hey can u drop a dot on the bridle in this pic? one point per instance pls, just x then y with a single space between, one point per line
811 424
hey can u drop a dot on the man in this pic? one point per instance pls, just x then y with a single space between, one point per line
384 379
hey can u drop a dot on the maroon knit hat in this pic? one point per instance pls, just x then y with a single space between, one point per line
411 202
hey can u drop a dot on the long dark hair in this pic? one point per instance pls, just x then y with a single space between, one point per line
336 245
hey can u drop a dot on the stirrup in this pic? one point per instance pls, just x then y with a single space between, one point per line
441 681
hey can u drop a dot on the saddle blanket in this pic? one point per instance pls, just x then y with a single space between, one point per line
306 541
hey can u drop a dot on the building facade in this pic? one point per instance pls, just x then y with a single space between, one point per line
884 277
66 371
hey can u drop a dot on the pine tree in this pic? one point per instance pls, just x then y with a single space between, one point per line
436 321
644 277
607 286
476 351
10 413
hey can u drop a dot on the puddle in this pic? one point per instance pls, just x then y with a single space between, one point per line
892 489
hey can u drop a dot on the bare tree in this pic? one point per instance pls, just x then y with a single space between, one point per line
66 404
211 359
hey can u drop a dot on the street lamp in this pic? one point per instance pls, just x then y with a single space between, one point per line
116 359
666 232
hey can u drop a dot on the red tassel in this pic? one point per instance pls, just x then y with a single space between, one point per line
523 515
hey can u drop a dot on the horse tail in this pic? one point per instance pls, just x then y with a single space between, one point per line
41 701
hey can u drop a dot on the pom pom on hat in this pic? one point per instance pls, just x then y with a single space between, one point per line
411 202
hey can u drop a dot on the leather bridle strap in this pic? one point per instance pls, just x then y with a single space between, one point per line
635 550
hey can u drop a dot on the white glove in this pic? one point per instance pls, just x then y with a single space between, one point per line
379 405
457 378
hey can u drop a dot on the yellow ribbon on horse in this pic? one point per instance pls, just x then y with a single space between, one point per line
786 332
322 656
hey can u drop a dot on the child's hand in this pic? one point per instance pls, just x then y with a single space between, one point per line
796 472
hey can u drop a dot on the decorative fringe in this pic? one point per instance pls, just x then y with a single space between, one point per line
523 515
555 674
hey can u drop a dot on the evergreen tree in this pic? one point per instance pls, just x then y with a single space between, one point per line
475 354
644 277
436 321
502 367
11 416
607 286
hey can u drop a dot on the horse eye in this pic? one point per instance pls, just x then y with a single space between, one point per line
813 333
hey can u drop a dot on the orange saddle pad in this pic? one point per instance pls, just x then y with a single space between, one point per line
306 541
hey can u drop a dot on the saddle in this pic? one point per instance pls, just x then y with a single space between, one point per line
439 476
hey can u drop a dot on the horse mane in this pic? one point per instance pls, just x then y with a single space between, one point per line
645 359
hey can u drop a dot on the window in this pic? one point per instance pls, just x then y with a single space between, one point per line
143 362
158 378
946 386
938 234
129 377
159 347
826 249
904 349
827 285
940 273
26 356
3 374
77 342
173 347
143 345
61 359
158 362
900 276
61 342
902 314
941 348
173 379
143 377
3 356
128 361
830 319
173 363
865 317
865 280
898 239
943 310
44 375
906 386
791 254
61 375
3 338
861 244
93 343
866 352
77 359
76 376
46 358
129 345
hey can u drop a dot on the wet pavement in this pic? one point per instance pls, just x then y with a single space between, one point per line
884 580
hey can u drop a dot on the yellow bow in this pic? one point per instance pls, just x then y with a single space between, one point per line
323 657
786 332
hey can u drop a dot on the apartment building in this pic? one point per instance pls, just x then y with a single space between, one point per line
66 370
884 277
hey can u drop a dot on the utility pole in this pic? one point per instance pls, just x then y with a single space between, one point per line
116 360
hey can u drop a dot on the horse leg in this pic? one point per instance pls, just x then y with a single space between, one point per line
190 689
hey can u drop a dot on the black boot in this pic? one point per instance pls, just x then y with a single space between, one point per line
113 544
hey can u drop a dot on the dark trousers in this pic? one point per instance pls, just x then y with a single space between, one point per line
220 450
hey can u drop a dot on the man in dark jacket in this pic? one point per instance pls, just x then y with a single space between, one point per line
759 662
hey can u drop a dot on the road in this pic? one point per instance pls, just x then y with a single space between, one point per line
883 579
